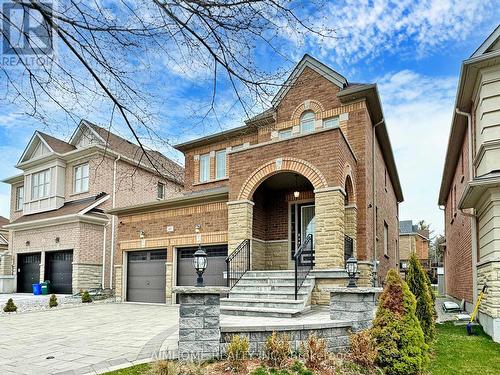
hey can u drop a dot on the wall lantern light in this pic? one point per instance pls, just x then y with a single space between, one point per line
351 267
199 258
142 234
27 243
57 239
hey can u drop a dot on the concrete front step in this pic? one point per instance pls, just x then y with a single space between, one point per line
270 281
302 294
264 288
264 303
259 311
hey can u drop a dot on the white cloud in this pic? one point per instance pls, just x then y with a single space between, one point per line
369 28
418 112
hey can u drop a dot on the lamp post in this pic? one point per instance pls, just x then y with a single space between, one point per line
199 258
404 267
351 267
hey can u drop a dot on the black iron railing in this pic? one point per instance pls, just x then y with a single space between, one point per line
237 263
348 248
304 262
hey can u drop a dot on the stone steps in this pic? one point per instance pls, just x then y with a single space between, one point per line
267 293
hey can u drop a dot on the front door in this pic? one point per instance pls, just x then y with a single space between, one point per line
302 223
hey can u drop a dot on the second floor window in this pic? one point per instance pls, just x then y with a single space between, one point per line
81 178
386 239
161 190
204 167
332 122
307 122
285 133
19 198
40 184
220 164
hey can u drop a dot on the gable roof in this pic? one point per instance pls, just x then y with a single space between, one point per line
3 221
487 54
56 144
309 62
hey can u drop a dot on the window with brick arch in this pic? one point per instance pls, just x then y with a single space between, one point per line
307 122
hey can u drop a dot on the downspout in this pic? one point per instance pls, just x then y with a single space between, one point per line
103 258
472 216
113 201
374 208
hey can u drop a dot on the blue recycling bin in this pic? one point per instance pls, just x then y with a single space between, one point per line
37 289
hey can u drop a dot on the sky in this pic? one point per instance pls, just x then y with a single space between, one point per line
413 50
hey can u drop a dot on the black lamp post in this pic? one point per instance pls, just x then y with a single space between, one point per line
199 259
404 267
351 267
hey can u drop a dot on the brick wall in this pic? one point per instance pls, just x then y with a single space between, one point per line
458 254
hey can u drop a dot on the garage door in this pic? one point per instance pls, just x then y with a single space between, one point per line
59 270
214 274
28 272
146 276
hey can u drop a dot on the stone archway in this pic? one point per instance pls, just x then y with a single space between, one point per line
286 164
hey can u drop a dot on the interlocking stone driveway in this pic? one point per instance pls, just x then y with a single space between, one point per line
85 339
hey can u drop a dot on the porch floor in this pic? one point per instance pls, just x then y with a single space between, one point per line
315 318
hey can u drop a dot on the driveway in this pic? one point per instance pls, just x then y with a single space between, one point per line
86 339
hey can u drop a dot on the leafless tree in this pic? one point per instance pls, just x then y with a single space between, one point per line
109 51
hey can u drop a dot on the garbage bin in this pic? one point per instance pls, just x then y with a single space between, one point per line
37 289
45 287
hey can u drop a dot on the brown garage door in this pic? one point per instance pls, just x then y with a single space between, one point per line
146 276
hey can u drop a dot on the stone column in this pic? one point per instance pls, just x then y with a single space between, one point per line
118 282
329 232
240 222
199 322
357 305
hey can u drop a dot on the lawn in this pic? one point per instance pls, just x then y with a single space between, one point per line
457 353
454 353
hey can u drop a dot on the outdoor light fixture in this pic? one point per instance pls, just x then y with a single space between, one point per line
404 267
57 239
142 234
351 266
296 193
27 243
199 258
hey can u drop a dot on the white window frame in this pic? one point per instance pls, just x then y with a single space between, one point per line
285 133
40 184
220 174
307 120
204 173
80 183
386 239
160 190
331 122
19 198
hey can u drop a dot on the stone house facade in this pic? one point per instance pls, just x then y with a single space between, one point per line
317 164
58 228
469 188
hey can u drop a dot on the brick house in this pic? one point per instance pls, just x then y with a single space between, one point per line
5 260
315 171
413 241
58 228
470 186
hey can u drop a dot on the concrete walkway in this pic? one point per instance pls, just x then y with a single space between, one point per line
86 339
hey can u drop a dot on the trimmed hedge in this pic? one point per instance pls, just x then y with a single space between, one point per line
401 346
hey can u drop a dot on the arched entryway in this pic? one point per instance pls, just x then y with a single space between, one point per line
283 216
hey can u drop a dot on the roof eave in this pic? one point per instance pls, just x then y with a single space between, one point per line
198 142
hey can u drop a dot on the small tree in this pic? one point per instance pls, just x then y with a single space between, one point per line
53 301
86 297
10 306
396 330
419 284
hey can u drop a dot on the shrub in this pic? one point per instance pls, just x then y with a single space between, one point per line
419 284
86 297
237 352
362 349
396 330
277 349
165 368
314 351
10 306
53 301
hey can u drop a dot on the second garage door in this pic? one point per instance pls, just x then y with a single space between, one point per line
146 276
214 274
59 270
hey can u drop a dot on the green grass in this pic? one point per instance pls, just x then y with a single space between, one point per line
457 353
134 370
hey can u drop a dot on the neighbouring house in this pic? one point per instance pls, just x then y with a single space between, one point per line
58 228
5 258
314 174
470 187
413 240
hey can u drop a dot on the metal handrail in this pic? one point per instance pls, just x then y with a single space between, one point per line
304 262
238 263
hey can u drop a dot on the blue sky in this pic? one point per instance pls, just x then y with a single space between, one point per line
412 50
